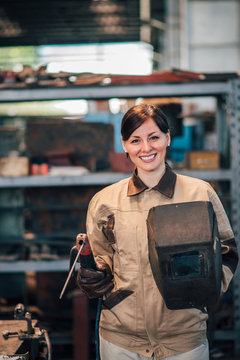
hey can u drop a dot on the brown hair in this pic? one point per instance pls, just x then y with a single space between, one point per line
138 114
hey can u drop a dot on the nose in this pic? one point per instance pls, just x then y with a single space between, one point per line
146 146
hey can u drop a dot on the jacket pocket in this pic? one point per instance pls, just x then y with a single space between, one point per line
109 233
108 229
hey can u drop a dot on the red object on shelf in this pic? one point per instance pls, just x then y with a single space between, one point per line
120 163
34 169
59 157
39 169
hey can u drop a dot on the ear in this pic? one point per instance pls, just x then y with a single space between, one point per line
168 136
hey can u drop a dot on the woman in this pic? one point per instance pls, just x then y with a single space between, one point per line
135 322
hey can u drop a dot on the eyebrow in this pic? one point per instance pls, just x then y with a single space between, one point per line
148 134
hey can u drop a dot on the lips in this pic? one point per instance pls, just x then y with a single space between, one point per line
148 158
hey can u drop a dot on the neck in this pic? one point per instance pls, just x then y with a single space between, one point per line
152 178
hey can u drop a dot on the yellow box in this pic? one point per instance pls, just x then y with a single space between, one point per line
204 160
14 166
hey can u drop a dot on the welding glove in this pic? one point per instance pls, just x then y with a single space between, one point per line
95 283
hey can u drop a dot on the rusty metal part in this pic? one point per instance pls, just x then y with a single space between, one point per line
7 333
19 314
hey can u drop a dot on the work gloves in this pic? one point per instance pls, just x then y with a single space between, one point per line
95 283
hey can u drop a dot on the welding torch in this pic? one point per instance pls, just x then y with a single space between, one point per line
82 253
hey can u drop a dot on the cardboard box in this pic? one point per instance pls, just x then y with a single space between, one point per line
14 166
202 160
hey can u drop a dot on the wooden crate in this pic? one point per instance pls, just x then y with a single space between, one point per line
202 160
14 166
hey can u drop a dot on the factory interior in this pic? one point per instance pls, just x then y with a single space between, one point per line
69 70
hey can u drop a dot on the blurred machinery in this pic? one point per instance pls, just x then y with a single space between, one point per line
22 340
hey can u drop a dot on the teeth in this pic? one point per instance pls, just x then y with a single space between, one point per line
147 157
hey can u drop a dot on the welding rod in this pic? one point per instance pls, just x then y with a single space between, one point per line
71 270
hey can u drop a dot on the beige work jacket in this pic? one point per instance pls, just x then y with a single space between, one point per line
134 316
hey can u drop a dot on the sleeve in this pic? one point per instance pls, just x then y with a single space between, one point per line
228 243
95 223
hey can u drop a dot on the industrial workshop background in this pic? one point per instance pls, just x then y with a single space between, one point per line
68 71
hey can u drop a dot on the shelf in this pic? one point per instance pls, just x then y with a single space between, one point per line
63 180
39 266
99 178
120 91
208 175
224 335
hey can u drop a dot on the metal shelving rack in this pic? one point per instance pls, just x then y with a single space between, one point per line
234 114
227 93
117 91
98 179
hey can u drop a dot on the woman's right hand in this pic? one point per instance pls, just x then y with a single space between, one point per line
95 283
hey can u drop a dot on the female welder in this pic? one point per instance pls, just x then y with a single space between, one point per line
135 321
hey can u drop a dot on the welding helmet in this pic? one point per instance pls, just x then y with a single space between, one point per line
185 254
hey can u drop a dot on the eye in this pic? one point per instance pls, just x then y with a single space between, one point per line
134 141
154 137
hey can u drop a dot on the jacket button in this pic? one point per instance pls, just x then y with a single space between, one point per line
147 351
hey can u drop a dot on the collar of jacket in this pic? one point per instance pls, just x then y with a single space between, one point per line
165 186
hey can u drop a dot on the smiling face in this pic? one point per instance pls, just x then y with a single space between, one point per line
146 147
